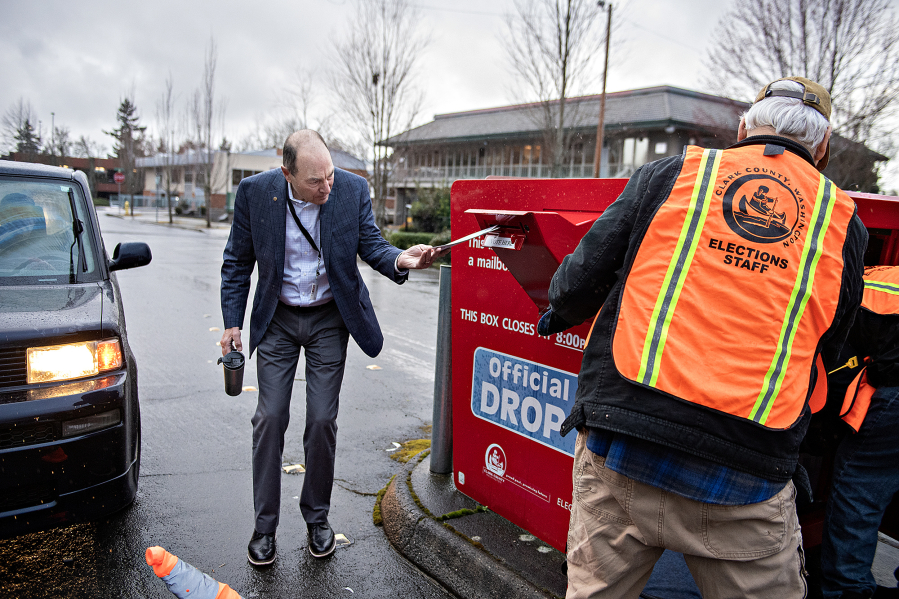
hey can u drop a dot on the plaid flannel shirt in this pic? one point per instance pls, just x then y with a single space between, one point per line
678 471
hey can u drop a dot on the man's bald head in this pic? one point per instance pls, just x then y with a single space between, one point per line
302 143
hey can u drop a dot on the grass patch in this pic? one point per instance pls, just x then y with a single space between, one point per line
376 512
410 449
463 512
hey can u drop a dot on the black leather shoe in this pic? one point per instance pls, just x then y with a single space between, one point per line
321 540
261 550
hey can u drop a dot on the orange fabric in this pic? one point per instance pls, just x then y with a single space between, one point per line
819 395
161 560
593 324
857 401
859 394
725 326
878 301
226 592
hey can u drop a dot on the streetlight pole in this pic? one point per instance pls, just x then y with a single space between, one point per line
600 127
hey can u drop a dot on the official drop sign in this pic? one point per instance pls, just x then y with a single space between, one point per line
525 397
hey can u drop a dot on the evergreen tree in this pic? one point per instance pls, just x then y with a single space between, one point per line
28 141
128 145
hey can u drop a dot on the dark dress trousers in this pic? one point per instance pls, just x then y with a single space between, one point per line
258 233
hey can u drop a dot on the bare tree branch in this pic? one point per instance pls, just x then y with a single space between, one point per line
14 123
166 124
204 110
374 81
552 45
851 47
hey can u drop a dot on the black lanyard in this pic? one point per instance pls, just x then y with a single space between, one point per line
311 241
303 230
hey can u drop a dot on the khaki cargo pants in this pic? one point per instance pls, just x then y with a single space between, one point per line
620 527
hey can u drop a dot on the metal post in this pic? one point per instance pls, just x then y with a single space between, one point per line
600 126
442 429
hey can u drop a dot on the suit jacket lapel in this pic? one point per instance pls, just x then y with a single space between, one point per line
326 223
277 199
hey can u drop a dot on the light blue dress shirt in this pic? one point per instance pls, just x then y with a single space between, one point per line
301 261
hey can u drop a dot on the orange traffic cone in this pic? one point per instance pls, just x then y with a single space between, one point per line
184 580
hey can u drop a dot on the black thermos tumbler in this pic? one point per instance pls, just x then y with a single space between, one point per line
233 363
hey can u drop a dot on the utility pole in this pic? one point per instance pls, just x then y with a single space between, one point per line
600 127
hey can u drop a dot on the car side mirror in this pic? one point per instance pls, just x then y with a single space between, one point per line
130 255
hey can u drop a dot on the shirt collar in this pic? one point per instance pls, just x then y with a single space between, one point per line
787 144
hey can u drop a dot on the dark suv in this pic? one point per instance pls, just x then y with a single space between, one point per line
69 413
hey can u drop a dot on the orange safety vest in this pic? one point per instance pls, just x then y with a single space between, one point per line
881 296
734 283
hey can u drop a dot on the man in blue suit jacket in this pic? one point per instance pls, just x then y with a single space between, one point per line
302 228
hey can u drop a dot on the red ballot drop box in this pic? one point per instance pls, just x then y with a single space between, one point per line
513 388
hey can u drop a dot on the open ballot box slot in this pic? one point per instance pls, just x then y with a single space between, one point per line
532 244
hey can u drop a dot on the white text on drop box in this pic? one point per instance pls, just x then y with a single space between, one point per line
527 398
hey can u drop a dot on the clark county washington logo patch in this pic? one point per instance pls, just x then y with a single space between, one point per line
761 209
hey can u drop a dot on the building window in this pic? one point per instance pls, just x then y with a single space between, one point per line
661 147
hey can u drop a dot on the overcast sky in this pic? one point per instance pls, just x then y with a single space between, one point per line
79 60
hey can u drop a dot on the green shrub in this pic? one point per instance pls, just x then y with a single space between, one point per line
440 239
404 239
179 210
101 201
431 212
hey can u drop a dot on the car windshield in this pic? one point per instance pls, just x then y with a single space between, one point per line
41 240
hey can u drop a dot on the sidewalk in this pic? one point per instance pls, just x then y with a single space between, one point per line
473 553
477 553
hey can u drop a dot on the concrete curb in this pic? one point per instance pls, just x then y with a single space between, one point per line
442 552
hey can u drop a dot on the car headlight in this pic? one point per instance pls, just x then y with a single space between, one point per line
73 360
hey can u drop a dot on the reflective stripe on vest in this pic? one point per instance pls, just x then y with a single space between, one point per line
811 254
881 294
678 267
734 283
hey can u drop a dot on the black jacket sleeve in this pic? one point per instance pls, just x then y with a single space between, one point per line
583 281
850 291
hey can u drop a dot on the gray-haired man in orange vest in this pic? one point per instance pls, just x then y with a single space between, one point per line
694 391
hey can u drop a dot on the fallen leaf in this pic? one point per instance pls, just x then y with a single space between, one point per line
248 388
373 367
294 469
214 329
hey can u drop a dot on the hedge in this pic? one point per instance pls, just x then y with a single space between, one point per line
404 239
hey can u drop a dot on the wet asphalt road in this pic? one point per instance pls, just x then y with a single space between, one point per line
195 495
